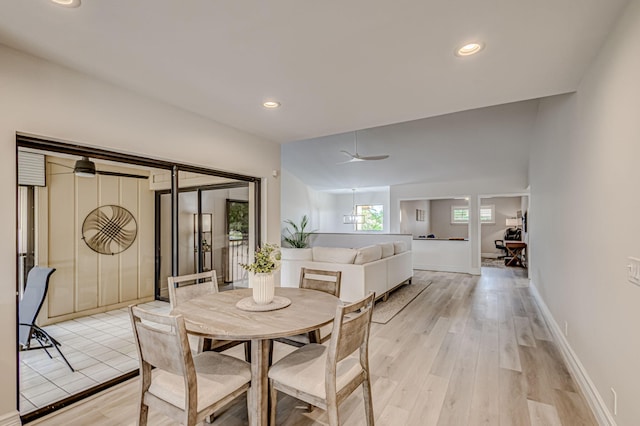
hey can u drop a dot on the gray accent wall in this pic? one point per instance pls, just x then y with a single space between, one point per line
441 225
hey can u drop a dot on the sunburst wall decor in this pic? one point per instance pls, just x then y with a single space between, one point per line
109 229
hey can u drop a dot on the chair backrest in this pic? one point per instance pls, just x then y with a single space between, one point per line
32 300
351 331
187 287
317 279
513 234
162 343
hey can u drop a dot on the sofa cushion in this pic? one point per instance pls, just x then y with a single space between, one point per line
368 254
399 247
388 249
333 254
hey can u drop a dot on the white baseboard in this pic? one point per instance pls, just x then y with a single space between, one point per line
579 373
490 255
10 419
445 268
475 271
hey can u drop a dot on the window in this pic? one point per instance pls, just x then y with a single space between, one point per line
488 214
373 217
460 214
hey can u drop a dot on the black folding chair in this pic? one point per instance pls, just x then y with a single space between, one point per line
28 309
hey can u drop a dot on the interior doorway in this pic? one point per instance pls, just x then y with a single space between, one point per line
502 220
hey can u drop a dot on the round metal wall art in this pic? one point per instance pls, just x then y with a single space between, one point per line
109 229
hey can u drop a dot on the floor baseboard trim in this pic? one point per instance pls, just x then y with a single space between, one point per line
490 255
444 268
10 419
579 373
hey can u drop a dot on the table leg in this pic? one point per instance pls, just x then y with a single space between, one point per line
259 391
516 257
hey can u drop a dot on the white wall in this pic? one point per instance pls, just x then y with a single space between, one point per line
584 176
408 222
325 209
441 225
298 200
44 99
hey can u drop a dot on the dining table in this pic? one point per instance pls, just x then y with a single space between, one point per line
217 316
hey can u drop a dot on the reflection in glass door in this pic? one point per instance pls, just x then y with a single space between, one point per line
237 240
213 232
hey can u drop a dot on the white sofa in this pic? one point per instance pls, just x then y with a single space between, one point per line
379 268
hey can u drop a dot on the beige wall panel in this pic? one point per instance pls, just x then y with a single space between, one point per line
146 239
61 244
129 257
87 259
109 265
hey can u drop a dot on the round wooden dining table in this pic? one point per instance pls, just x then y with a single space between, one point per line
216 316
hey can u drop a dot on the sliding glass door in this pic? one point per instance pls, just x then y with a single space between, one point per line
113 227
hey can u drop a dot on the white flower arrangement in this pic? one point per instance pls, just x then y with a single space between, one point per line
267 260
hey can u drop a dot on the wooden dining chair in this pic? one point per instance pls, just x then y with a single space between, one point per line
324 376
187 287
321 280
184 387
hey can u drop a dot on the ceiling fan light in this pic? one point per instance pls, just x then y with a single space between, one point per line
353 219
469 49
67 3
85 168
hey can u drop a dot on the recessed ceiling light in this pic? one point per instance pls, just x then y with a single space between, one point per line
67 3
469 49
271 104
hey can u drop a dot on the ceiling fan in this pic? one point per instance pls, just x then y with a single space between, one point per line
87 168
357 157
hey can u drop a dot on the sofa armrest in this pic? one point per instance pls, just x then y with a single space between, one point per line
400 269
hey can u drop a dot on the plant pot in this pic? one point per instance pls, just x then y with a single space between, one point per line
289 253
263 286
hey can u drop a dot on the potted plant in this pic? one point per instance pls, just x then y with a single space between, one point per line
297 236
267 260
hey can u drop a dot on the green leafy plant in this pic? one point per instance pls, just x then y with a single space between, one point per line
266 260
297 236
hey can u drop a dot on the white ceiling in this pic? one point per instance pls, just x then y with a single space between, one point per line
485 143
336 67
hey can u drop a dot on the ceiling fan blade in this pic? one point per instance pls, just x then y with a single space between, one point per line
106 173
352 160
349 154
374 157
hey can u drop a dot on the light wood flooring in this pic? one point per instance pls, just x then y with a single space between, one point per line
467 351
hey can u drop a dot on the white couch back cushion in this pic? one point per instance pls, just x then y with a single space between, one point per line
368 254
333 254
399 247
387 249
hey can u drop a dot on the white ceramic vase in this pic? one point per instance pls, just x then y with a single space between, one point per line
263 288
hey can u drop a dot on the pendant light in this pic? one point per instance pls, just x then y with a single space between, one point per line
353 218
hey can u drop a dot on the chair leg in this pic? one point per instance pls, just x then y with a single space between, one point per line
273 394
332 412
144 414
368 402
54 344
